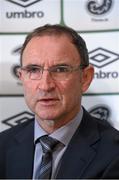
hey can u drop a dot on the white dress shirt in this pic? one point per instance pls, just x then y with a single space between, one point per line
63 135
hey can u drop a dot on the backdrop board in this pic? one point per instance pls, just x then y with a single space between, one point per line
91 15
23 16
13 111
97 21
104 55
10 61
100 106
104 107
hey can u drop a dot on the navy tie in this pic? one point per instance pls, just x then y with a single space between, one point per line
48 144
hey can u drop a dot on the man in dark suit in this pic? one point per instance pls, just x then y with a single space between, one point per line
62 141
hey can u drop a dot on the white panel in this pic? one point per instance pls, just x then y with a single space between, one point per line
9 59
104 55
13 111
104 15
102 105
15 18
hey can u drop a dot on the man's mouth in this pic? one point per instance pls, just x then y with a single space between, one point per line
48 101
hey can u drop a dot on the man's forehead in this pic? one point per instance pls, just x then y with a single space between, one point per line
47 41
52 36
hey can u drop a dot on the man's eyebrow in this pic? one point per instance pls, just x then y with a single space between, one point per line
61 64
38 66
32 65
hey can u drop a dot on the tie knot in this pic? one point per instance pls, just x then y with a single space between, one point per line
48 143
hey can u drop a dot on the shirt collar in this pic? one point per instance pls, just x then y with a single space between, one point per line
63 134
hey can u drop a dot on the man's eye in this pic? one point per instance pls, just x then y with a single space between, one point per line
33 70
61 69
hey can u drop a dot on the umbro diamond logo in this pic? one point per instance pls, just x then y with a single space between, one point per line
24 3
101 57
18 119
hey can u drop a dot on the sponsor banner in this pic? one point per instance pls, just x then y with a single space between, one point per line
17 112
103 107
91 15
104 56
9 62
23 16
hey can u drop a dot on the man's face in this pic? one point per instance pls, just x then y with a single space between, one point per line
57 100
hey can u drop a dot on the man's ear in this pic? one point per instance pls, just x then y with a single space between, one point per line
19 74
87 77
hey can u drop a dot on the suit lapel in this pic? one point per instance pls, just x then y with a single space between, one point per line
81 150
20 155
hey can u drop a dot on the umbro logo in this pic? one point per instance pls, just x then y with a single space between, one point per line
24 3
101 57
17 119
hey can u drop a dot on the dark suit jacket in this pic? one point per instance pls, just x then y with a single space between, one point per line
92 152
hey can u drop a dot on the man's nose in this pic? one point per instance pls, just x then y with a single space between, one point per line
46 82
